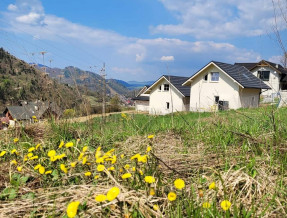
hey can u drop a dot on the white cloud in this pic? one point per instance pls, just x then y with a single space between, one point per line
12 7
167 58
140 57
277 59
31 18
134 57
218 18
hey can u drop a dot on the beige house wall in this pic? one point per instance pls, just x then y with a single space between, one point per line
160 98
249 97
142 106
273 83
202 93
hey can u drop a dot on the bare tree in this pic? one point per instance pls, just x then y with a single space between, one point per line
280 23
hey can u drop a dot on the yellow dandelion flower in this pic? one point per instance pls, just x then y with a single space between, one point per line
88 174
100 198
37 166
124 115
98 152
100 160
155 207
85 148
37 146
171 196
122 156
126 176
51 153
14 151
100 168
149 179
212 185
111 169
206 205
121 170
73 164
34 157
42 170
34 117
25 158
136 156
113 193
225 205
72 209
30 155
142 159
150 136
13 162
114 159
97 176
61 156
69 144
61 144
31 149
19 169
148 149
134 169
54 158
152 191
16 140
84 160
81 156
127 166
2 153
48 172
141 172
63 168
179 184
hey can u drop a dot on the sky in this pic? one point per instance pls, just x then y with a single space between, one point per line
140 40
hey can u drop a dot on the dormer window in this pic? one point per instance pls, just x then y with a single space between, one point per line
166 87
264 75
159 88
205 78
214 76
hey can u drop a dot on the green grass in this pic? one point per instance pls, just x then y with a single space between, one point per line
243 152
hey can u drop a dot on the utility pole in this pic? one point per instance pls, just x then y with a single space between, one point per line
43 54
103 74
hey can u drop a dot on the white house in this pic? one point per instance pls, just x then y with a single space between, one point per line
273 75
142 100
167 95
224 86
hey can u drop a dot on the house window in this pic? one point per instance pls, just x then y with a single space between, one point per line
264 75
214 76
205 78
166 87
167 105
216 98
159 88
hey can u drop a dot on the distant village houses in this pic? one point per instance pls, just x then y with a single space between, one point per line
30 112
217 86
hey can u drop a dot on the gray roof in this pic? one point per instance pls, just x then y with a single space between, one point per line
177 82
141 98
27 111
249 66
242 75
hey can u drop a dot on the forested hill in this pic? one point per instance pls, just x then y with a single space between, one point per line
21 81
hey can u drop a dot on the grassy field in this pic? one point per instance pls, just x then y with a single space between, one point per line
227 164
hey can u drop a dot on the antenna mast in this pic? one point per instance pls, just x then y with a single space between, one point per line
43 54
103 74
